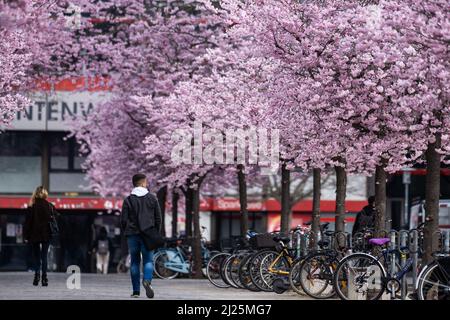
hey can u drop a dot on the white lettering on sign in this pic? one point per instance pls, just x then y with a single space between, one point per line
233 204
53 112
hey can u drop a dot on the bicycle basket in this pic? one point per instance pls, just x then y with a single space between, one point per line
261 241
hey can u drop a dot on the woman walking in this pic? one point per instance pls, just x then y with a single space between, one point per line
37 232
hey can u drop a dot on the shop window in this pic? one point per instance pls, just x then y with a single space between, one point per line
20 161
64 153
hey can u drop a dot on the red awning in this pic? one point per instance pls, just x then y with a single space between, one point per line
78 203
207 204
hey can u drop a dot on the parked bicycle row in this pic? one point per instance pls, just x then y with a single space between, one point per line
330 265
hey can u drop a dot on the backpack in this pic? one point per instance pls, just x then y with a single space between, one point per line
103 247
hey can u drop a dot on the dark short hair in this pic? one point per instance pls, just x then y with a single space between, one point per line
371 200
137 179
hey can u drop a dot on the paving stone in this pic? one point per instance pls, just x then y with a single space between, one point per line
18 286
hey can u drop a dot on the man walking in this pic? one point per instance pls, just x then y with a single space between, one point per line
140 211
365 219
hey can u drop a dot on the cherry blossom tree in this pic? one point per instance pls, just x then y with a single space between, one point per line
425 28
27 30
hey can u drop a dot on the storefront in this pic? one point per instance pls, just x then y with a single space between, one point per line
80 222
36 150
264 215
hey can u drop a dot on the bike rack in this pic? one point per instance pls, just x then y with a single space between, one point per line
414 251
403 244
393 245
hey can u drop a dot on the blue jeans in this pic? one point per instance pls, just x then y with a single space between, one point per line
136 248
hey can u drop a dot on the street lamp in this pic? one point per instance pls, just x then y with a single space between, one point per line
406 181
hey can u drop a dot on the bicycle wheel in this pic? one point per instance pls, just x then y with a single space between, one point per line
226 271
359 276
315 275
434 283
160 270
254 270
294 278
279 264
244 274
234 267
213 270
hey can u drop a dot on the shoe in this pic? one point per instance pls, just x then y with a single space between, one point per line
37 278
135 294
148 289
44 280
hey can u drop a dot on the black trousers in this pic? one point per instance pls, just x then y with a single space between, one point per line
40 250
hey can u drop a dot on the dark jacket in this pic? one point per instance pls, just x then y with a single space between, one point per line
364 219
144 209
36 227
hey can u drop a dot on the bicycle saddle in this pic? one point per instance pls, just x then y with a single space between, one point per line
282 239
379 241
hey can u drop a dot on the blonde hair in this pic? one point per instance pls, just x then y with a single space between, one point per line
39 193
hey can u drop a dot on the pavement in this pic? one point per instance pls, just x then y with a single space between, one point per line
62 286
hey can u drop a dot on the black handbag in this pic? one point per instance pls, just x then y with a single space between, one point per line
53 224
151 236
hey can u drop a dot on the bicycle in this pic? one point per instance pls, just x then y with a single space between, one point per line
217 267
433 282
313 274
177 258
269 269
363 276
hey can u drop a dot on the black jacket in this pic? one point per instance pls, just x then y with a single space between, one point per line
36 227
144 209
364 219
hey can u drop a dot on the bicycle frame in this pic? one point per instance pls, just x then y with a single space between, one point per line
285 253
177 261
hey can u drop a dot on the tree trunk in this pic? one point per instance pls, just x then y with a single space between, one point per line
175 198
380 200
188 210
341 190
315 226
196 243
432 194
243 200
162 197
285 200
